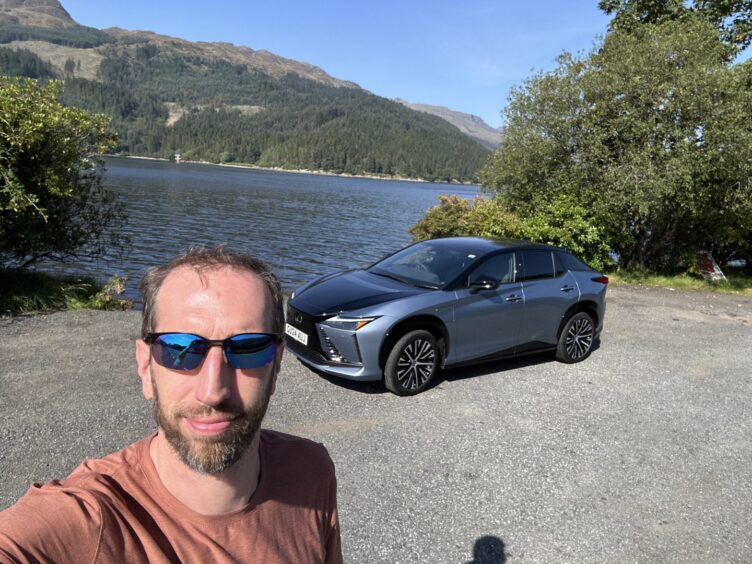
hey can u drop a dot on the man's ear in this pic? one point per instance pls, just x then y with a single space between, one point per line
143 360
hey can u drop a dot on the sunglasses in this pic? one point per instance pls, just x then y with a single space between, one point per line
185 351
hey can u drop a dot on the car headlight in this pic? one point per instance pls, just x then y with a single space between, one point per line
348 323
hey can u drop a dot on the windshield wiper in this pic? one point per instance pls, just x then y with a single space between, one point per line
427 286
387 275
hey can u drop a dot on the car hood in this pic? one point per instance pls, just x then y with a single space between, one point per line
350 291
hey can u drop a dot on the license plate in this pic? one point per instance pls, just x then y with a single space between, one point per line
296 334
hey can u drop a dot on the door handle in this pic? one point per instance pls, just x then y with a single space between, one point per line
513 298
567 288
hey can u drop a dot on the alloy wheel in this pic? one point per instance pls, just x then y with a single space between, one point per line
415 365
579 338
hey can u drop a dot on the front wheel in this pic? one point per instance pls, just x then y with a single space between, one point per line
576 339
412 363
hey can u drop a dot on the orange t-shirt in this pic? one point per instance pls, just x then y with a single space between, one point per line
116 509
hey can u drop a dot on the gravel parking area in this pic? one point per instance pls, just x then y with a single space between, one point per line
641 453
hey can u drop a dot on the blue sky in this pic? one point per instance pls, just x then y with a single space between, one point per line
463 55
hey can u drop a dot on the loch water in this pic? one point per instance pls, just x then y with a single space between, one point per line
303 225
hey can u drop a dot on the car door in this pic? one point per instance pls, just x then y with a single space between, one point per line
549 292
488 321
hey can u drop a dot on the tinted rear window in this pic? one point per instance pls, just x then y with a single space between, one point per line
570 262
538 264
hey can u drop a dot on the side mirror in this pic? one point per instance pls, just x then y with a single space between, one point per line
483 283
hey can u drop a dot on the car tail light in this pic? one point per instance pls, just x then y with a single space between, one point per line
601 279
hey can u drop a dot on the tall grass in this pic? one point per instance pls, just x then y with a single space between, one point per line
736 282
24 292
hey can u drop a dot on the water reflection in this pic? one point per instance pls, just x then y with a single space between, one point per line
303 225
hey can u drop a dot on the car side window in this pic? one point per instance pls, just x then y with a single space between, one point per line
538 264
558 266
570 262
499 268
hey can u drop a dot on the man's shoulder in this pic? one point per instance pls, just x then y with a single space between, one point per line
62 520
296 472
65 520
278 443
125 460
296 463
284 440
93 482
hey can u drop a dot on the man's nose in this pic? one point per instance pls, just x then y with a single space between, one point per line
215 378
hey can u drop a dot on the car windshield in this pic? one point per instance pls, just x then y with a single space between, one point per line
425 265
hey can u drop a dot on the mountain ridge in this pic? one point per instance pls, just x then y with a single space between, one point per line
43 13
220 102
272 64
469 124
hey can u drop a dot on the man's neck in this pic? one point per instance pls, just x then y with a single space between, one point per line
207 494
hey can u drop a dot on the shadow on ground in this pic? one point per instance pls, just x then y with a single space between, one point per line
450 374
488 550
500 366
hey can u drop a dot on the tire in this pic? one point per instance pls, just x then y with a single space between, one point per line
576 339
412 363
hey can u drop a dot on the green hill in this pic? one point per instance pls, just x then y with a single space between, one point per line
222 103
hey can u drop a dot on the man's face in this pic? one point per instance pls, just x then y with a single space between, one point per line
210 415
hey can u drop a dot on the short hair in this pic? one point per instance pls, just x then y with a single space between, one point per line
206 258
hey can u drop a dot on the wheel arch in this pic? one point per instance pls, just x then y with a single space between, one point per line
430 323
588 306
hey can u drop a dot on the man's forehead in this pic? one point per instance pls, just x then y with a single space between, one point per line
193 279
223 283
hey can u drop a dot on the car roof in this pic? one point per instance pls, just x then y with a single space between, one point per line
481 245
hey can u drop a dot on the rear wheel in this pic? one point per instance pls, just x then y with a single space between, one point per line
576 339
412 363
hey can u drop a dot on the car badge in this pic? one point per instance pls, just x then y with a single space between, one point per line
298 318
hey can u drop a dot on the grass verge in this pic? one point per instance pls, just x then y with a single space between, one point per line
736 282
24 292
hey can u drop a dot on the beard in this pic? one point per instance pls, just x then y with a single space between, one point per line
211 455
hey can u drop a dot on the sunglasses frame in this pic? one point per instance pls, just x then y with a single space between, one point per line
152 338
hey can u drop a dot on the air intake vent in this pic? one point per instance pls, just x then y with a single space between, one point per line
328 348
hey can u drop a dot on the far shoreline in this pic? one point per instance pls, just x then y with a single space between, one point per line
295 171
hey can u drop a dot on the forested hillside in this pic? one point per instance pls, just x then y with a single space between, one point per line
207 102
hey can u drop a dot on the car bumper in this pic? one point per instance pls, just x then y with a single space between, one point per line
358 373
361 359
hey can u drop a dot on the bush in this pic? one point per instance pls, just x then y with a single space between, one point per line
53 204
24 292
561 223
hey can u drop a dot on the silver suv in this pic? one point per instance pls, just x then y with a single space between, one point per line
444 303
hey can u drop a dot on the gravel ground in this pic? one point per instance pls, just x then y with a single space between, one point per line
641 453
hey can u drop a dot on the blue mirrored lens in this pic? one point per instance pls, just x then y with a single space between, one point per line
250 350
185 351
179 351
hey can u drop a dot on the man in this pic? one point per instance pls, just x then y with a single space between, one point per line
209 485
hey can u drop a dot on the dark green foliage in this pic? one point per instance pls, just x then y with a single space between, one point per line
234 114
649 136
732 17
22 291
20 62
79 36
69 68
73 226
112 100
561 222
53 204
298 123
386 143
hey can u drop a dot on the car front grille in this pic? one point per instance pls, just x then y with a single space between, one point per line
328 347
340 346
321 347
